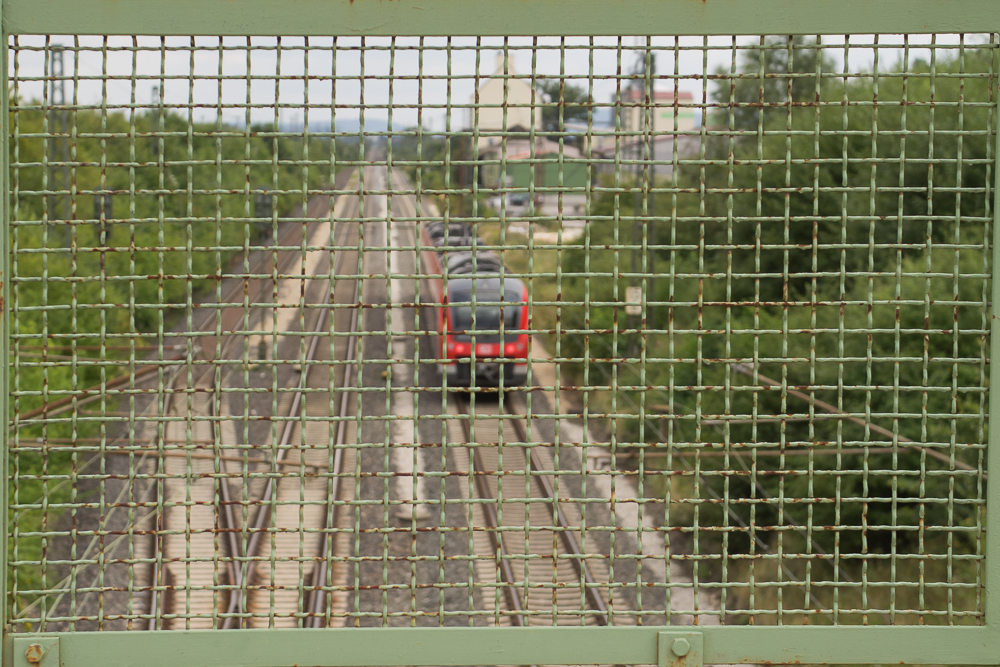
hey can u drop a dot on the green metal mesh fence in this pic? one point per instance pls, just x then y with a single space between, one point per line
497 332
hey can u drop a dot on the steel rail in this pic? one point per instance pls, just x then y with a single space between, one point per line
316 618
227 520
569 541
318 595
493 523
94 392
279 266
264 513
158 535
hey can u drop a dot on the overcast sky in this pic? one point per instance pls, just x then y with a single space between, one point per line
97 68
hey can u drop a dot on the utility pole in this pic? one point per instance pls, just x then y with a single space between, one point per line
58 142
649 69
641 127
632 129
154 138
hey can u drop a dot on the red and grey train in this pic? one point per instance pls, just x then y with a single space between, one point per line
482 318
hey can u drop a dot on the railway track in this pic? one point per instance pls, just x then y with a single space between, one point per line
542 571
291 480
277 500
212 540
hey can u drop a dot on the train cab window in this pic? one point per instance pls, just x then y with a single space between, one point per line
487 316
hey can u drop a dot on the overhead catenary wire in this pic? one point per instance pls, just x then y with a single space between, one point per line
822 405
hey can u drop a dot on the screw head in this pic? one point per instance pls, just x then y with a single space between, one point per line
33 653
681 647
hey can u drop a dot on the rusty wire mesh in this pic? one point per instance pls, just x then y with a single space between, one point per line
756 300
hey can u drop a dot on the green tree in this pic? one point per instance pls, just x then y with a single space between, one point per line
182 212
809 238
563 102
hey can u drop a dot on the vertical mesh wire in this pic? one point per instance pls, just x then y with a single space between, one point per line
716 313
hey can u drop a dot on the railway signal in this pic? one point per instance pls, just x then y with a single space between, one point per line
263 211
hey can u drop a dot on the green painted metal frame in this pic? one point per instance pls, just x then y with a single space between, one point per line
493 17
516 646
496 646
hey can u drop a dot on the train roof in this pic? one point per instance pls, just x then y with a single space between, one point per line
487 288
454 243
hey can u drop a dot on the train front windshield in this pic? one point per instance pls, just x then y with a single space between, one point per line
487 317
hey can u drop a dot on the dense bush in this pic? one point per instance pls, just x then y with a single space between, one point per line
788 249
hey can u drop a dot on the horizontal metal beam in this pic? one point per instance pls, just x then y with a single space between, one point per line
495 17
348 647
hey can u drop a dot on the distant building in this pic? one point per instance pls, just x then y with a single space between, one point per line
661 110
518 165
518 151
647 132
519 99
